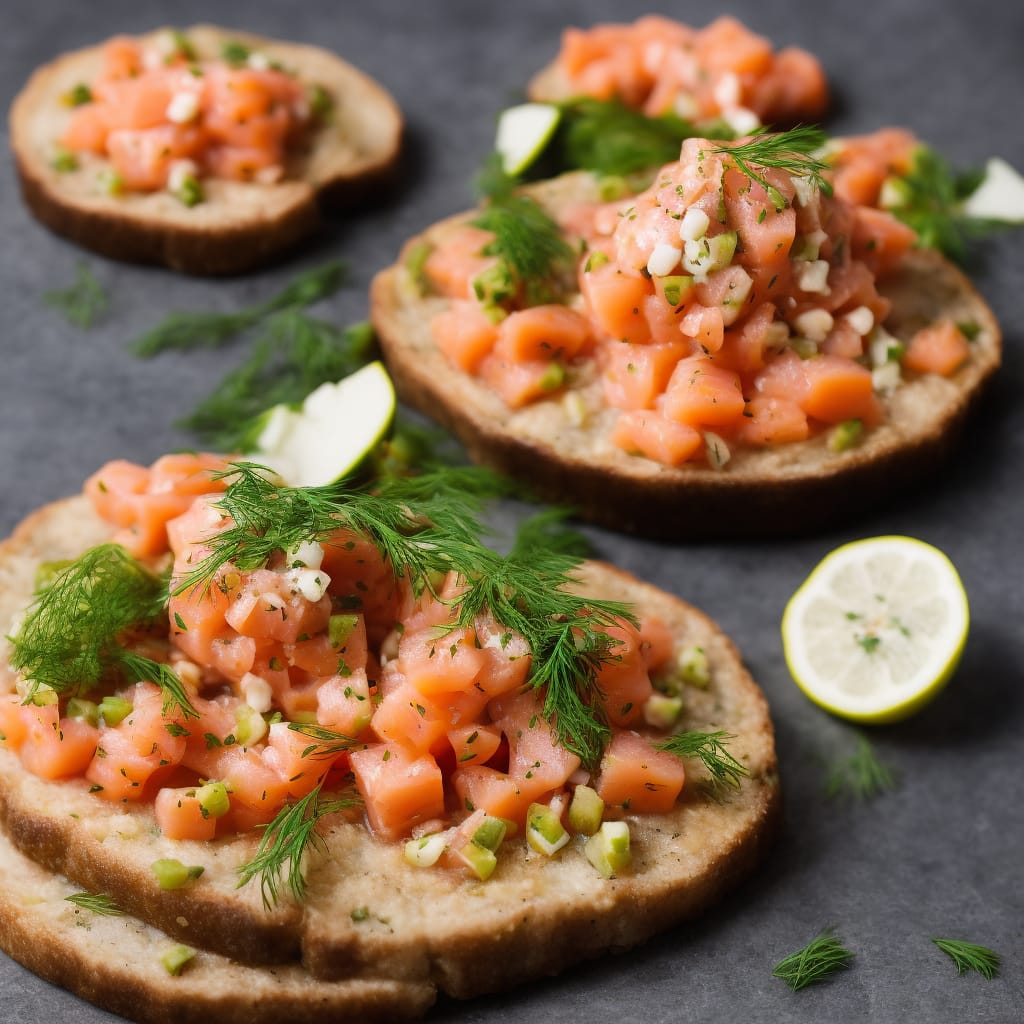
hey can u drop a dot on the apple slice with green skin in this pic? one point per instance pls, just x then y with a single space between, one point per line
1000 196
335 430
523 134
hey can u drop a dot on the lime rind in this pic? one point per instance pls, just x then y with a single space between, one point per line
877 629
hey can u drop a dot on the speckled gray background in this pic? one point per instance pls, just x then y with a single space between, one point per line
940 856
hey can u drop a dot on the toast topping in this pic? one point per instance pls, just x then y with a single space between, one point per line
166 117
723 71
733 303
315 640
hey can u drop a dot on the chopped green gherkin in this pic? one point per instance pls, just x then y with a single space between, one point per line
64 161
213 798
845 435
110 183
42 696
586 809
662 711
321 103
359 914
84 710
970 329
340 628
676 288
553 377
77 96
172 874
608 850
490 833
611 187
544 831
494 285
693 666
114 710
190 192
176 958
252 726
594 260
415 266
480 860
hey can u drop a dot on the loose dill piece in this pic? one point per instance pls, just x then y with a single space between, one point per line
278 859
710 747
292 356
98 903
548 531
861 775
72 635
818 960
186 331
791 151
531 250
82 302
970 957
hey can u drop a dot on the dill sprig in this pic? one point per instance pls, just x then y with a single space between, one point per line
527 592
793 151
426 526
929 200
610 138
294 354
861 775
98 903
529 245
326 742
71 637
422 525
278 859
970 957
710 747
82 301
189 330
818 960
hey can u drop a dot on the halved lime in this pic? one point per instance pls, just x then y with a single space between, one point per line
877 629
336 428
523 133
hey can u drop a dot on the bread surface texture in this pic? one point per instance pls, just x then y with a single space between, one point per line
771 491
238 225
371 920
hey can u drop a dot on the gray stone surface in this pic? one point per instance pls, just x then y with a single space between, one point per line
940 856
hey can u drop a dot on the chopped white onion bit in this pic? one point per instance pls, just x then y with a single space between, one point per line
310 583
886 378
694 225
861 320
257 692
184 107
727 91
741 120
305 555
717 449
269 175
806 189
814 324
179 172
882 346
258 61
663 260
813 277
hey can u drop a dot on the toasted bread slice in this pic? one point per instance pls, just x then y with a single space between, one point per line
239 225
783 490
116 962
369 915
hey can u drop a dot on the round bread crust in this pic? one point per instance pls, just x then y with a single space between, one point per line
785 490
239 225
115 962
534 917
